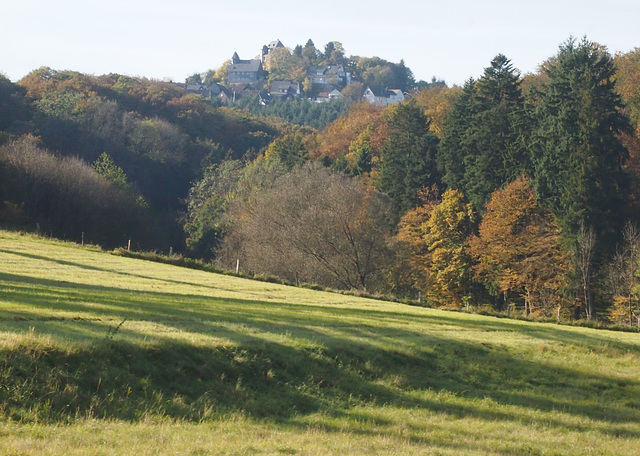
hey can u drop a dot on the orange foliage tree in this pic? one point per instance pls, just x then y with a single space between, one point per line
364 123
518 249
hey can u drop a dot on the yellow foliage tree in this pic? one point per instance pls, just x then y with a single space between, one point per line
435 234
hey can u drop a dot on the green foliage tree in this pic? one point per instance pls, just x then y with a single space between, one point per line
578 160
65 197
291 149
455 144
207 218
379 74
283 65
105 166
14 111
207 202
195 78
408 161
309 53
486 133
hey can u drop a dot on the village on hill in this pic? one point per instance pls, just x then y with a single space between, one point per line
323 80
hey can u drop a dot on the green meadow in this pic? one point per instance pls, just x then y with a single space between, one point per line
105 355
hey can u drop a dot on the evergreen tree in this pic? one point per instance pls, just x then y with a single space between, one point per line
408 157
578 162
484 141
454 146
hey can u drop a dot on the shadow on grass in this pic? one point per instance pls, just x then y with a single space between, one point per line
324 359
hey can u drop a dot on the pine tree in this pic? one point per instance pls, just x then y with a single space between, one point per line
455 146
408 158
483 148
578 156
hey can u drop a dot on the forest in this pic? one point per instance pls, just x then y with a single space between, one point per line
512 194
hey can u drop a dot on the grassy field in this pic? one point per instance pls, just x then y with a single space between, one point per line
105 355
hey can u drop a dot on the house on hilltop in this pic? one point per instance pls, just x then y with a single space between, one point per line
383 97
285 89
268 48
325 97
328 74
212 91
244 71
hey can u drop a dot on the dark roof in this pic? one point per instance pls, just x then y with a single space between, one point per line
275 44
325 70
246 65
383 93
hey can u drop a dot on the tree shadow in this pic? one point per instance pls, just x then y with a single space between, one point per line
279 360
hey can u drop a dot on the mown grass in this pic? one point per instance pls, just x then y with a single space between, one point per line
106 355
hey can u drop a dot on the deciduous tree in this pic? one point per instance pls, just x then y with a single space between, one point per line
518 249
315 226
436 235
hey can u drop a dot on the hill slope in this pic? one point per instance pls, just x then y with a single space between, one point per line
107 355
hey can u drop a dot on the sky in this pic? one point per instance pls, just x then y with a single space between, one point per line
168 39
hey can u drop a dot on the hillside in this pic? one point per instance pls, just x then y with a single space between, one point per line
108 355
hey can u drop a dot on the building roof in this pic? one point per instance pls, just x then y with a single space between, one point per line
285 88
325 70
246 66
274 44
383 93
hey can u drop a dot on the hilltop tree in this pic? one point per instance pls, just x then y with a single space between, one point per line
284 66
334 53
309 53
195 78
378 73
13 106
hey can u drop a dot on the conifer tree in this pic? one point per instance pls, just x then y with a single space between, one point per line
578 155
408 158
483 148
455 146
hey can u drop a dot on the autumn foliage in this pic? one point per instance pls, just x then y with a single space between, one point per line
436 235
518 249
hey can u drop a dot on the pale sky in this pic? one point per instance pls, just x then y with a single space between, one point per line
452 40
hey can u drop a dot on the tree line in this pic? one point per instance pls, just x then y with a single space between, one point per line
514 193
